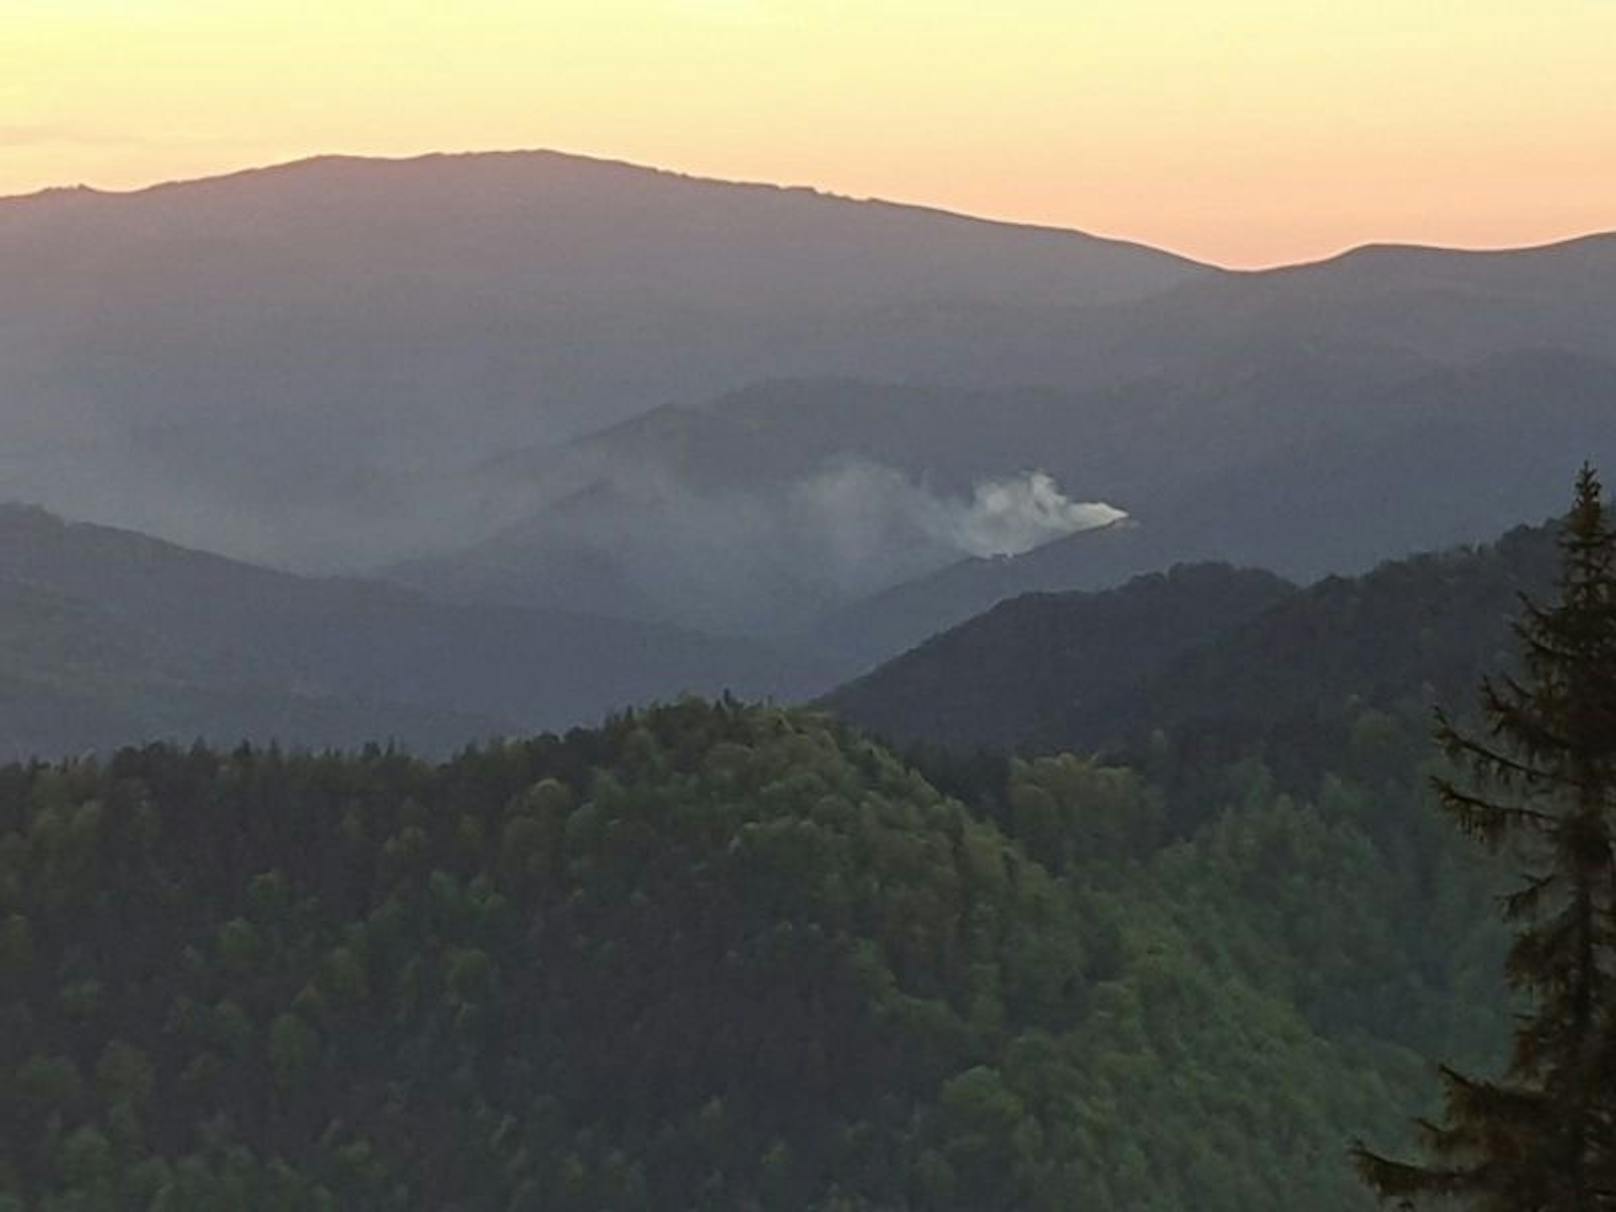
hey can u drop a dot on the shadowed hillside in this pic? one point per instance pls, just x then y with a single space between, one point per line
791 500
178 358
1227 662
109 637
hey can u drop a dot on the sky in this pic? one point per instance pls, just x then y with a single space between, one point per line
1244 132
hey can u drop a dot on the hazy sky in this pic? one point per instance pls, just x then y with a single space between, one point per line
1241 131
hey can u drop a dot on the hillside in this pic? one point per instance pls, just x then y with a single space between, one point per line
1229 663
704 956
1003 679
862 635
109 637
176 359
813 505
579 385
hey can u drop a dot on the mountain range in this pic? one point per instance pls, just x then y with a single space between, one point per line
783 434
1303 462
1235 659
302 364
1142 907
109 637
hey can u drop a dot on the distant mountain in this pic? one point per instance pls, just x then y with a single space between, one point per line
857 637
1012 676
295 363
1450 456
1451 305
558 382
109 637
1411 634
1228 660
811 505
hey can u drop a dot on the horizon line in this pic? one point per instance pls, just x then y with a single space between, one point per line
1384 243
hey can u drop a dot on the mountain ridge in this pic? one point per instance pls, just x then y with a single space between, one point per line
352 365
371 332
1368 248
1283 671
136 638
341 160
1303 460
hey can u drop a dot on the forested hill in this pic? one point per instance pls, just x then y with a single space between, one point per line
1230 661
110 637
1003 678
294 364
708 957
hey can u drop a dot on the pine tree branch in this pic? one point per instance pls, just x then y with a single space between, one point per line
1487 821
1524 901
1479 754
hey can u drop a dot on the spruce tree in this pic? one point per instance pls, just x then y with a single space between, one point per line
1542 791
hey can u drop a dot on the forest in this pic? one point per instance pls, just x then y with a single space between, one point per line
1144 904
720 955
744 606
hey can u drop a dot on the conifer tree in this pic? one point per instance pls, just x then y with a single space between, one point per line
1542 791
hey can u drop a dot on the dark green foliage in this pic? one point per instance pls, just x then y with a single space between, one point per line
1544 776
1189 672
706 956
1024 672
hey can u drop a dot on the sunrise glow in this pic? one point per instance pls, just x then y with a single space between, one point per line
1249 132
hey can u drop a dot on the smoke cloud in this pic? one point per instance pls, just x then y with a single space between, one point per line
1009 517
774 555
865 509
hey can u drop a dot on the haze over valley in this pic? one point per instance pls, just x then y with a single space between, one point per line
531 681
546 381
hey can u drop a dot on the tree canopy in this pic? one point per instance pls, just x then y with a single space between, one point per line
1543 788
710 955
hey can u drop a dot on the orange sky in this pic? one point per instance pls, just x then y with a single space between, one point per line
1248 132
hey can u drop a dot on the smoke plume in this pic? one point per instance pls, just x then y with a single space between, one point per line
864 510
1009 517
772 556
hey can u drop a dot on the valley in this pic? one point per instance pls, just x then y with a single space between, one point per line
532 681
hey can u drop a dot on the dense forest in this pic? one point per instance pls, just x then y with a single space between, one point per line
1222 662
535 682
713 955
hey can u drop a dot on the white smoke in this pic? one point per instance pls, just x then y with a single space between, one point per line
867 510
770 556
1009 517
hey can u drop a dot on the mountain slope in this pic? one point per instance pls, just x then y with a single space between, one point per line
1002 678
178 358
1229 662
795 498
704 956
345 364
110 637
1291 682
861 635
